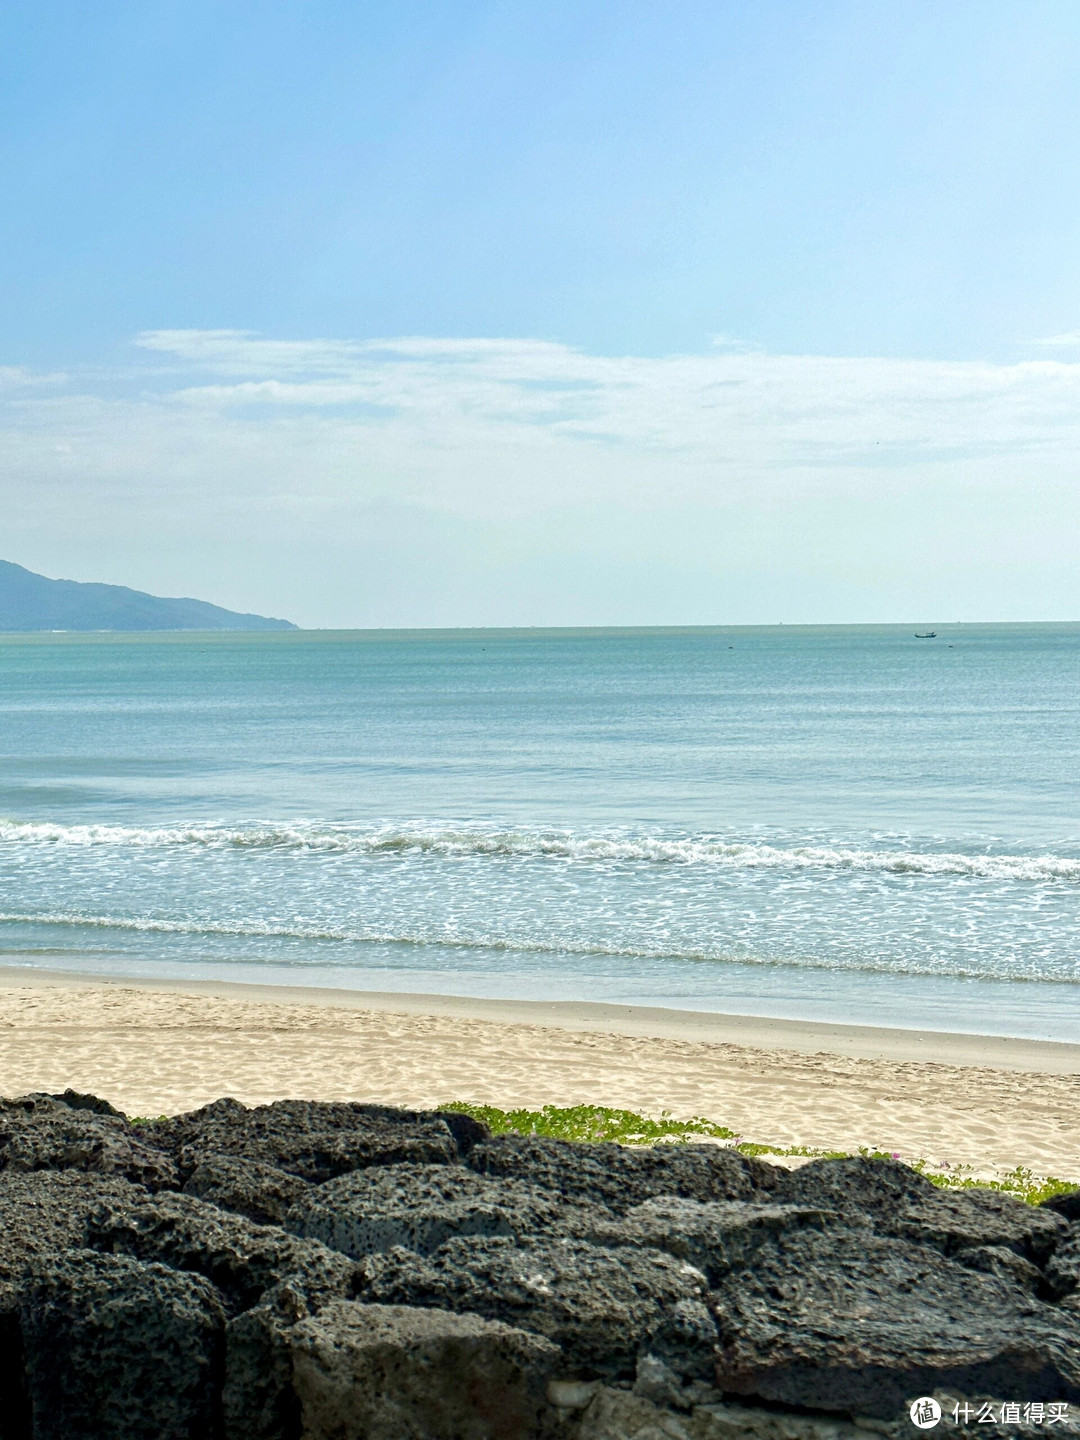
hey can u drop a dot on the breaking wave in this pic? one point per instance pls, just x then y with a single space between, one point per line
464 842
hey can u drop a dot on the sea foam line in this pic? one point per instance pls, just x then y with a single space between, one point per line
523 945
464 842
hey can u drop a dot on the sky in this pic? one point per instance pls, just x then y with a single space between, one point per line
459 313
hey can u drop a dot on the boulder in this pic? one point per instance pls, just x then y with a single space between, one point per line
898 1201
119 1350
314 1140
259 1192
1007 1265
258 1401
617 1415
45 1212
42 1213
848 1320
620 1177
1063 1268
1066 1204
712 1236
953 1221
602 1306
241 1258
388 1372
40 1133
422 1206
79 1100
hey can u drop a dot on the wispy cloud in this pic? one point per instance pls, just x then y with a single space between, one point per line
216 424
1065 341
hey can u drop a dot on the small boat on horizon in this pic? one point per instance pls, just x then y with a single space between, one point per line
926 635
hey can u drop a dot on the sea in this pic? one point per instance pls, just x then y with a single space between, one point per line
829 823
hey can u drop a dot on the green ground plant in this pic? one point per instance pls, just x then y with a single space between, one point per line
602 1122
591 1122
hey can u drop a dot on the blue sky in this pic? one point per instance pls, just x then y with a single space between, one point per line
786 299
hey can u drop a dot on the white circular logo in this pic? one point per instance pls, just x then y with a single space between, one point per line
925 1412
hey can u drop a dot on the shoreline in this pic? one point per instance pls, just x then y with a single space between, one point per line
980 1106
759 1032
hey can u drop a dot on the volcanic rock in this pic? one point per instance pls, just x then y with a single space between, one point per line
314 1140
388 1372
40 1133
259 1192
258 1400
601 1306
846 1320
713 1237
1007 1266
422 1206
620 1177
616 1415
1063 1267
1067 1204
898 1201
242 1259
119 1350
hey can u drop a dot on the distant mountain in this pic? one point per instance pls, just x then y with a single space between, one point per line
31 602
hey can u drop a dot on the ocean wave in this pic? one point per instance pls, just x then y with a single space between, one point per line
463 842
519 945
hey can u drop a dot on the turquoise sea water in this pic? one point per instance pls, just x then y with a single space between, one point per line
843 823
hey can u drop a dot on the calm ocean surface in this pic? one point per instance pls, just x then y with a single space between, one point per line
842 823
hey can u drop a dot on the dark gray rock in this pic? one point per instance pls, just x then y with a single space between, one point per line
847 1320
242 1259
258 1400
1006 1265
620 1177
466 1131
1063 1268
315 1140
898 1201
422 1206
954 1220
79 1100
42 1214
45 1212
259 1192
1066 1205
40 1133
603 1307
387 1372
119 1350
855 1185
714 1236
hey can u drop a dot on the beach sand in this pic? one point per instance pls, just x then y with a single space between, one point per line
161 1047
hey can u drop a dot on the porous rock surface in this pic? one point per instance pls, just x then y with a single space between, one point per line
854 1321
259 1192
423 1206
602 1306
41 1132
388 1372
317 1271
241 1258
618 1176
314 1140
121 1350
898 1201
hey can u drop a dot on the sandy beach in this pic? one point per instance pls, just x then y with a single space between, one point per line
160 1047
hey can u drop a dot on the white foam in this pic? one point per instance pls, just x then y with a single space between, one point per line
610 848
